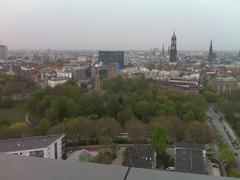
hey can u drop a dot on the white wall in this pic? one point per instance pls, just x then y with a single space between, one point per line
48 152
53 83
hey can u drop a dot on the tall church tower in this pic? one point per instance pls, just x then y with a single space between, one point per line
211 54
173 50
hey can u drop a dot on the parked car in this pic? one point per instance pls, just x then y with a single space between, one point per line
235 145
215 165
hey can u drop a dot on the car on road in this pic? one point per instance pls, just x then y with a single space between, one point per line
225 129
229 136
235 145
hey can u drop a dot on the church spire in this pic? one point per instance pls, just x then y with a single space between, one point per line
210 53
163 52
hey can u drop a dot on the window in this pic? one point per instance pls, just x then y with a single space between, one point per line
37 153
56 151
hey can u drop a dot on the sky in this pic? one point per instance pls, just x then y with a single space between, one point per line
119 24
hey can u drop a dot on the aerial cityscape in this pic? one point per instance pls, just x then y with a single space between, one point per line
94 99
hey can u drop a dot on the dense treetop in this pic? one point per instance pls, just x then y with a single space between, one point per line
133 106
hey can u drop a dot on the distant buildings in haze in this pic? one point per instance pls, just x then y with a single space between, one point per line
109 57
3 52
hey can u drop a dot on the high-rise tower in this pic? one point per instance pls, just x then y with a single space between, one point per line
3 52
210 52
163 52
173 50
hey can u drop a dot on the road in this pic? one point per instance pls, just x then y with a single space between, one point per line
219 127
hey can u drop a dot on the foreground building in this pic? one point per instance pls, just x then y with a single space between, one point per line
50 146
29 168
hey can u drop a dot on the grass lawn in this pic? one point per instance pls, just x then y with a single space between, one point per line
16 113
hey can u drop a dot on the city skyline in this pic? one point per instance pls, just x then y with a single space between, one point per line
113 25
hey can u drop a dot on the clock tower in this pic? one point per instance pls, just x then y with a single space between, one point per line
173 50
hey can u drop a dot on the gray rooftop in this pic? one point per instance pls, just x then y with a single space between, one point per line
59 78
189 158
186 145
34 142
13 167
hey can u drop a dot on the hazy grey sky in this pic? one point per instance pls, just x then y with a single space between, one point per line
119 24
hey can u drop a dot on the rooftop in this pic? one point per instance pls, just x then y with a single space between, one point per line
141 157
59 78
189 145
226 79
34 142
190 158
22 168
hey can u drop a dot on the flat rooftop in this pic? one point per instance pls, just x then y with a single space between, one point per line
26 143
13 167
190 158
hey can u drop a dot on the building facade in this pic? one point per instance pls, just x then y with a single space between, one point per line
57 81
112 70
81 73
50 146
224 86
3 52
109 57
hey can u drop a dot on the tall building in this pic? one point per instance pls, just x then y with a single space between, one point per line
109 57
173 50
3 52
163 52
81 73
112 70
211 53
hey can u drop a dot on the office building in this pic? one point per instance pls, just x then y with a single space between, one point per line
224 85
3 52
81 73
109 57
112 70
